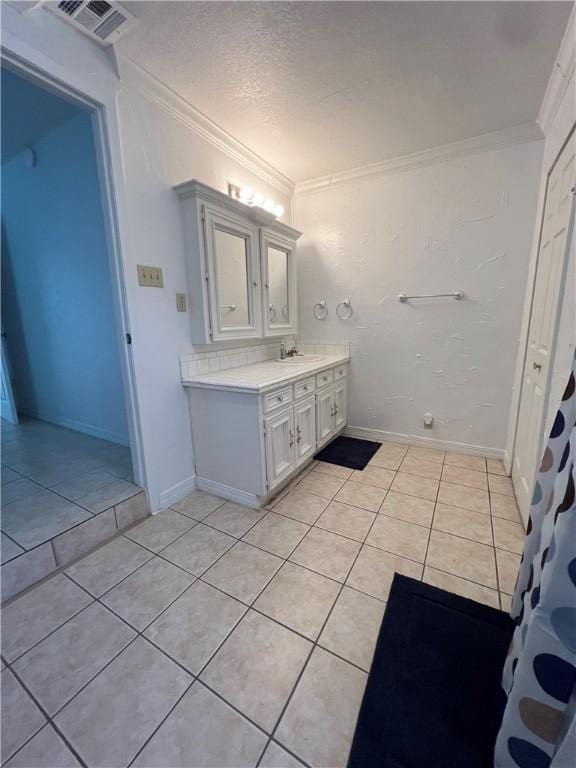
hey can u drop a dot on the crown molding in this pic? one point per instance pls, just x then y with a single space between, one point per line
518 134
181 110
560 78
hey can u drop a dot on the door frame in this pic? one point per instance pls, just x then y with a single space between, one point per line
9 410
103 116
557 314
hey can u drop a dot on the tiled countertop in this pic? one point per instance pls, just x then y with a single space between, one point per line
261 377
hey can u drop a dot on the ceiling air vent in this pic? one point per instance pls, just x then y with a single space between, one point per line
102 21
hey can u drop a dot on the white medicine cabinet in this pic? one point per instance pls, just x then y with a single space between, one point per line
279 280
241 267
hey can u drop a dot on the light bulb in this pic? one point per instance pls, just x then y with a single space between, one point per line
246 194
268 205
278 210
257 199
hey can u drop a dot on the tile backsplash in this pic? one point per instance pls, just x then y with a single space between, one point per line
198 363
324 348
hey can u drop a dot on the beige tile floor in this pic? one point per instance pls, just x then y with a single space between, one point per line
54 479
214 635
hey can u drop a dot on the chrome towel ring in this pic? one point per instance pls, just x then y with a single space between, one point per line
348 309
320 310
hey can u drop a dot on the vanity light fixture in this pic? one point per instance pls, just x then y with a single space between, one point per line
247 196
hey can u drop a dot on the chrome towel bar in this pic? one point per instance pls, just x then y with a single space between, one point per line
457 295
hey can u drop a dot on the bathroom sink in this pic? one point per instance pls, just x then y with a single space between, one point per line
301 359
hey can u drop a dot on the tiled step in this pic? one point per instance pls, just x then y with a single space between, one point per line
32 566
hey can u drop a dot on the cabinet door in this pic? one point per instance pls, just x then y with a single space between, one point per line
339 396
280 446
279 279
233 276
305 416
324 415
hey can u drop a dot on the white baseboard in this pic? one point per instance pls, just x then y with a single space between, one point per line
381 436
227 492
507 459
80 426
176 492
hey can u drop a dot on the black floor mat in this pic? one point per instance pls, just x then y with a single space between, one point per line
433 697
348 452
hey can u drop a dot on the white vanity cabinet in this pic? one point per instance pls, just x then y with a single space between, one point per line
331 411
290 440
241 267
248 442
279 432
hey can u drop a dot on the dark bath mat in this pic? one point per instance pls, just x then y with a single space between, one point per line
433 697
348 452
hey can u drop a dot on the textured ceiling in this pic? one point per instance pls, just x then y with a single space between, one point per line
28 114
319 87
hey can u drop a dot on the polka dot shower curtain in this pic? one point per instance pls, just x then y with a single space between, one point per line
539 725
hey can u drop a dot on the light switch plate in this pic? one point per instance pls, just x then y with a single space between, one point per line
150 277
181 302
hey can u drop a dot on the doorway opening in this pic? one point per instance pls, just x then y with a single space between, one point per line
66 446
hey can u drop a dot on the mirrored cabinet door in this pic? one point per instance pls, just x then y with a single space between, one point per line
279 276
233 276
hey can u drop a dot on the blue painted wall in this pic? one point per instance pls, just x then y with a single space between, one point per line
57 306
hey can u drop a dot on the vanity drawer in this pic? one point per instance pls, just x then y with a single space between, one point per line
277 398
324 378
340 372
303 388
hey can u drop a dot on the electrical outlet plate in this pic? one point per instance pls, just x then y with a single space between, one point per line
181 302
151 277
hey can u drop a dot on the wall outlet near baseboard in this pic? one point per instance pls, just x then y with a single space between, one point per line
181 302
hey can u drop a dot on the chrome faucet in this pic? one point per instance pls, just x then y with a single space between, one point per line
292 352
284 353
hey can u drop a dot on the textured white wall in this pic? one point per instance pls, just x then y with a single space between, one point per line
159 152
462 224
152 149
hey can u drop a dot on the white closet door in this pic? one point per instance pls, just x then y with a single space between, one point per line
550 273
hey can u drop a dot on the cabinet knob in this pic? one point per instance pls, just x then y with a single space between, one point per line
279 398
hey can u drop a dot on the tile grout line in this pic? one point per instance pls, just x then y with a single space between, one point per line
43 487
315 645
51 718
50 541
159 555
249 607
496 568
432 522
49 721
197 677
